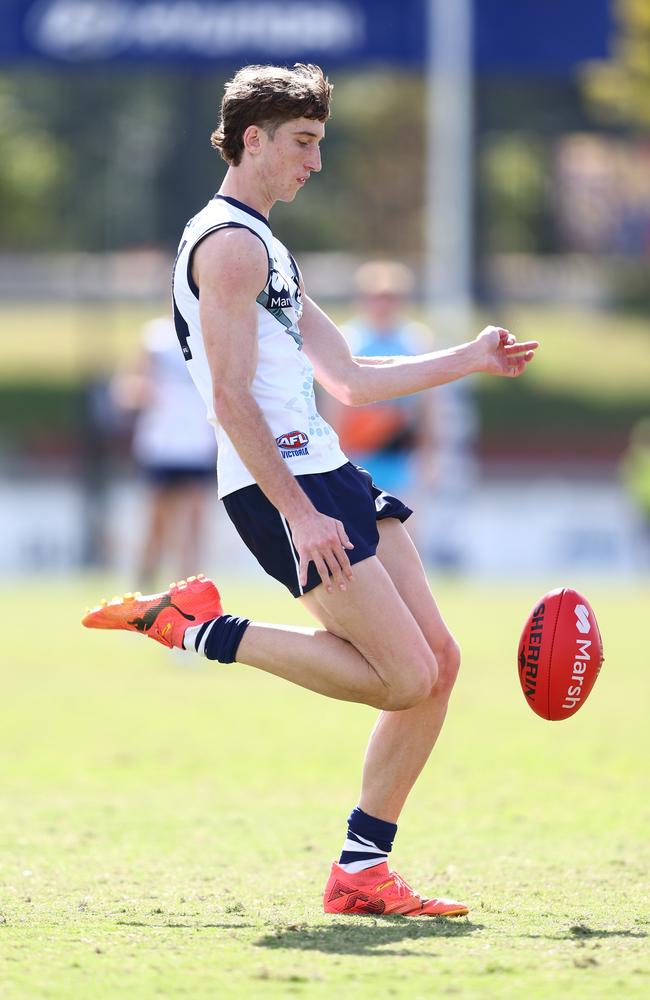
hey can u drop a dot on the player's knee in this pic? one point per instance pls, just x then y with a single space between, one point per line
448 658
409 690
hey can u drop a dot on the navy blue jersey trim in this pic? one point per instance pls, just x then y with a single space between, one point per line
294 265
244 208
182 329
296 273
223 225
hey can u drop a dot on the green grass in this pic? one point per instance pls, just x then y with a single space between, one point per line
167 828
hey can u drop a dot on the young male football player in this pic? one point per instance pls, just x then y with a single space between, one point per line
253 342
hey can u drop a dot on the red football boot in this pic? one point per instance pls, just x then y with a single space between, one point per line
377 892
163 617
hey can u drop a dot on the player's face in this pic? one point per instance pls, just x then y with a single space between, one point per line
290 156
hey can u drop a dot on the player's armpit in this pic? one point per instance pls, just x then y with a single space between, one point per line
328 350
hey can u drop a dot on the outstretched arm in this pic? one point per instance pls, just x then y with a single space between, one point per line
357 381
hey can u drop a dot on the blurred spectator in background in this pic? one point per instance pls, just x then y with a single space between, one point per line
174 448
635 472
420 447
394 440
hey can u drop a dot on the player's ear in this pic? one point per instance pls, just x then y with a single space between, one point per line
252 139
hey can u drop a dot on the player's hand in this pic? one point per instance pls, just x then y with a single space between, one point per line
502 354
323 540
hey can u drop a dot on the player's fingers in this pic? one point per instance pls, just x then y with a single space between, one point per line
334 568
302 570
519 367
521 360
323 571
520 348
345 544
343 537
344 563
339 565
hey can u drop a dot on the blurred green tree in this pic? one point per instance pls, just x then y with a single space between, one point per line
32 171
513 169
98 160
618 89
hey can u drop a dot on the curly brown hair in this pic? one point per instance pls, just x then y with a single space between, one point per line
268 96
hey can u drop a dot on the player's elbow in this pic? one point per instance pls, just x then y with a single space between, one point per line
351 389
345 395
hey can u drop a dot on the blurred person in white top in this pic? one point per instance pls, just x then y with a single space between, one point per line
174 448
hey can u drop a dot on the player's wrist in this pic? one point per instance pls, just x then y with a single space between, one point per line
472 356
298 510
475 356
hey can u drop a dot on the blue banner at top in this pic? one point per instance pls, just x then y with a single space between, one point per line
534 36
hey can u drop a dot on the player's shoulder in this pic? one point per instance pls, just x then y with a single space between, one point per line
232 258
233 245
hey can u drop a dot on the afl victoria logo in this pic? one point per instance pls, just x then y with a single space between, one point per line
292 440
582 619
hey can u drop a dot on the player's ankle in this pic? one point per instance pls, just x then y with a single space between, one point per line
216 639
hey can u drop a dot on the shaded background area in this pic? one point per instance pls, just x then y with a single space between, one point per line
105 114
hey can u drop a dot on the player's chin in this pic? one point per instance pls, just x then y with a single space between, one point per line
289 195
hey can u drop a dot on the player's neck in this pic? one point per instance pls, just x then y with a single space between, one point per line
236 184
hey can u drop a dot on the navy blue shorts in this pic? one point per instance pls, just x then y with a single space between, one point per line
347 494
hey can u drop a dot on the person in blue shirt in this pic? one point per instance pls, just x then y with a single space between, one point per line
395 440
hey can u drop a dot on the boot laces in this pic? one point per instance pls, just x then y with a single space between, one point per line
404 889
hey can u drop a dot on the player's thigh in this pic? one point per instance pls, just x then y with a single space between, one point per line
372 616
400 558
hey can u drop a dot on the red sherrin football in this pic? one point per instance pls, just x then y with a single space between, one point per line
560 654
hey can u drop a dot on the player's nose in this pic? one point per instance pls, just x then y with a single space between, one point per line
313 161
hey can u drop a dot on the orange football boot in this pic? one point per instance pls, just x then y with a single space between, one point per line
163 617
377 892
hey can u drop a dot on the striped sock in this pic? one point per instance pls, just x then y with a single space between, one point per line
218 638
368 843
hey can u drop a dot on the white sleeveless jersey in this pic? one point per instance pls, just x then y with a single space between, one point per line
283 385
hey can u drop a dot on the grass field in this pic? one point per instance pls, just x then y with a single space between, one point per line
167 826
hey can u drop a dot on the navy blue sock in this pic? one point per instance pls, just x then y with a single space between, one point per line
218 638
368 843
